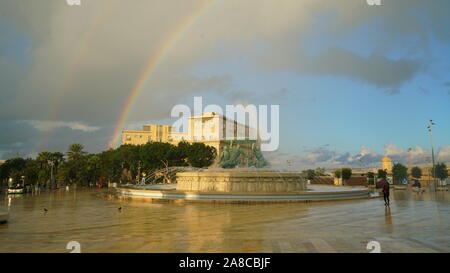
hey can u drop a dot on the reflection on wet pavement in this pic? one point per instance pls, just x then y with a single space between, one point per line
413 223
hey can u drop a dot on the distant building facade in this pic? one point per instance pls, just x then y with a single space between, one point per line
210 128
386 164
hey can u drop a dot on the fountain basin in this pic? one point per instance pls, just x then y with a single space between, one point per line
241 185
240 181
316 193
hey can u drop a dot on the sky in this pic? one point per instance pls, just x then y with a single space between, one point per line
354 82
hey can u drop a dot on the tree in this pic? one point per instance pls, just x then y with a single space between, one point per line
110 165
13 168
76 164
201 155
416 172
346 174
75 151
382 174
130 155
31 171
399 173
57 158
440 171
320 172
183 148
310 174
62 177
338 173
93 168
44 160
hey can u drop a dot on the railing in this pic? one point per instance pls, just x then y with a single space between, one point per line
164 173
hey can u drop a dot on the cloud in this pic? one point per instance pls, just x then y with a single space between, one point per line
323 156
443 154
375 69
319 154
20 138
51 125
392 150
413 155
83 62
92 56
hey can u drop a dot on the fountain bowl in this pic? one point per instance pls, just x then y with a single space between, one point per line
241 181
241 185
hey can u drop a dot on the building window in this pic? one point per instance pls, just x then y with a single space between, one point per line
128 137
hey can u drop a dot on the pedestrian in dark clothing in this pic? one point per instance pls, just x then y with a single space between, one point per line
386 193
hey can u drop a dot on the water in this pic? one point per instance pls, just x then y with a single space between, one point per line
414 223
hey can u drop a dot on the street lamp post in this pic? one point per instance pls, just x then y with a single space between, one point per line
139 172
50 162
430 130
121 173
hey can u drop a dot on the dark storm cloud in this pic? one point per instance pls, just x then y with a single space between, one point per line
17 137
90 57
22 138
375 69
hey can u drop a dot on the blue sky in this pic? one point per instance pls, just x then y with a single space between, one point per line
352 81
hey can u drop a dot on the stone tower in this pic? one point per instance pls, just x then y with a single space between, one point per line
386 164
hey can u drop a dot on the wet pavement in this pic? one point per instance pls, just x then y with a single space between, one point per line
413 223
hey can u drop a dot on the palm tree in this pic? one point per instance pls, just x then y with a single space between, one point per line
75 151
43 158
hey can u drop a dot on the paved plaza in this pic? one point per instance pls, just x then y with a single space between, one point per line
413 223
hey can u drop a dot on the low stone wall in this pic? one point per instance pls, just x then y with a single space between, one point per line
323 180
356 181
240 181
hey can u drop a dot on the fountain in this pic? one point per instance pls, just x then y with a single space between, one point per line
242 175
240 180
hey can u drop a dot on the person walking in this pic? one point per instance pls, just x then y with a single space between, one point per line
385 190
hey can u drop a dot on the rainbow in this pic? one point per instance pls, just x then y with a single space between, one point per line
152 66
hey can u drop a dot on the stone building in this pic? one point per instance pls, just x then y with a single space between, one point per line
210 128
386 164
